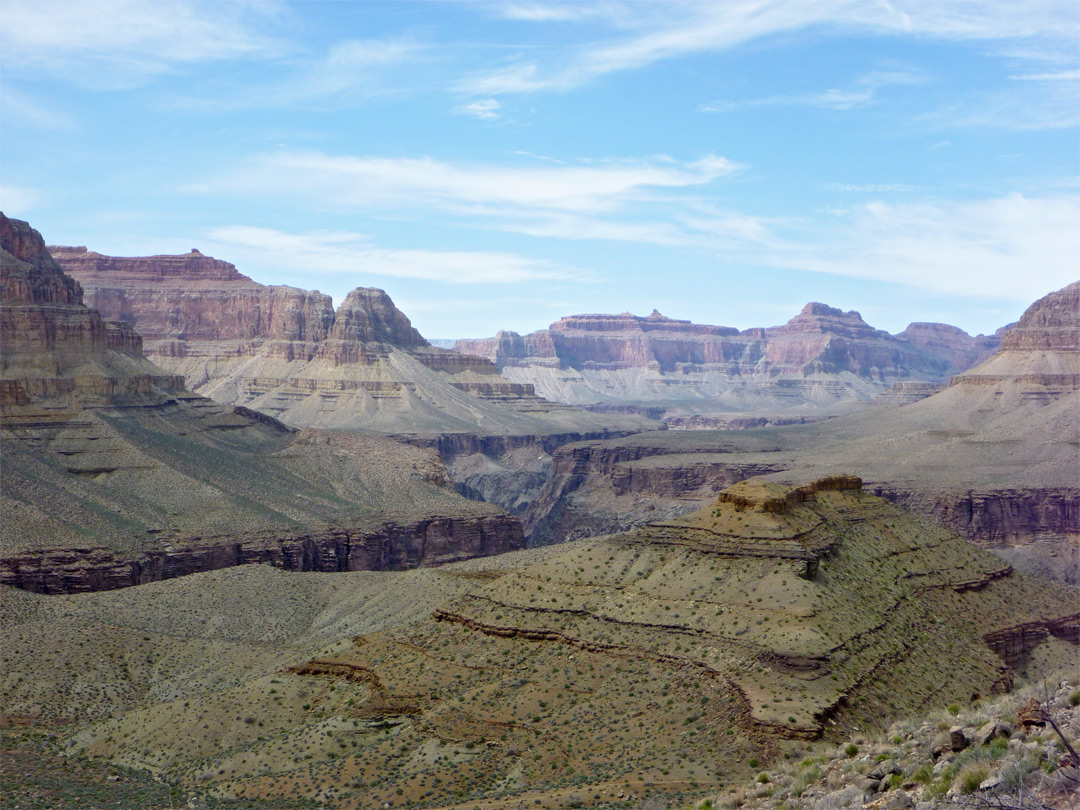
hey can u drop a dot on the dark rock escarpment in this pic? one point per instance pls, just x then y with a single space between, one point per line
392 546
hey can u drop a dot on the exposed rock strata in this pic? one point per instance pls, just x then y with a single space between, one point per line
993 455
115 475
778 614
389 547
817 361
287 353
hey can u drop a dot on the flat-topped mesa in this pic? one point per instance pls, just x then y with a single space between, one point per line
822 360
171 300
963 350
825 340
817 317
188 267
758 495
625 322
287 353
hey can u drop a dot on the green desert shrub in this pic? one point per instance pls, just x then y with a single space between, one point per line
971 777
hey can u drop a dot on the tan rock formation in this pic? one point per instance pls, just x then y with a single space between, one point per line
993 455
821 361
115 475
285 352
627 658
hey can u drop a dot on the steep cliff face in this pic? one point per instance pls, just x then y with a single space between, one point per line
953 344
825 340
194 297
369 316
392 546
54 347
1042 350
1050 324
116 475
287 353
821 361
993 455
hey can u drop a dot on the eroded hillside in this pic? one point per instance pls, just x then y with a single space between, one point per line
667 659
114 474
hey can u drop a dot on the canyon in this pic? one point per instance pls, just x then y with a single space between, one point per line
281 594
993 455
822 362
286 352
667 660
115 474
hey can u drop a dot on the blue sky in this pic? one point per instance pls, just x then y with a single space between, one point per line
497 165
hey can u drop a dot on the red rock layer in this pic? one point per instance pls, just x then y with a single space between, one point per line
820 339
195 297
194 306
50 343
65 371
391 547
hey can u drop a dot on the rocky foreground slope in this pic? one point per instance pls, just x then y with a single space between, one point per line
286 352
114 474
678 659
817 363
994 455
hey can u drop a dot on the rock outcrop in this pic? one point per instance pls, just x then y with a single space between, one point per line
961 349
287 353
993 455
53 346
114 474
782 614
391 546
821 361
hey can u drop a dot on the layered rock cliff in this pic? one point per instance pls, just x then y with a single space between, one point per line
53 346
287 353
821 360
114 474
993 455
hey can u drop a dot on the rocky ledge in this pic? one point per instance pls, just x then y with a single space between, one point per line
391 546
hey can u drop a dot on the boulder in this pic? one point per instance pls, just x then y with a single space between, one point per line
957 739
851 796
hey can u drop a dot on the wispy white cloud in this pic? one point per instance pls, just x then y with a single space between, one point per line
19 109
863 92
350 71
1056 76
654 32
343 252
413 183
1035 105
351 68
1003 247
550 11
114 44
870 188
483 108
16 201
